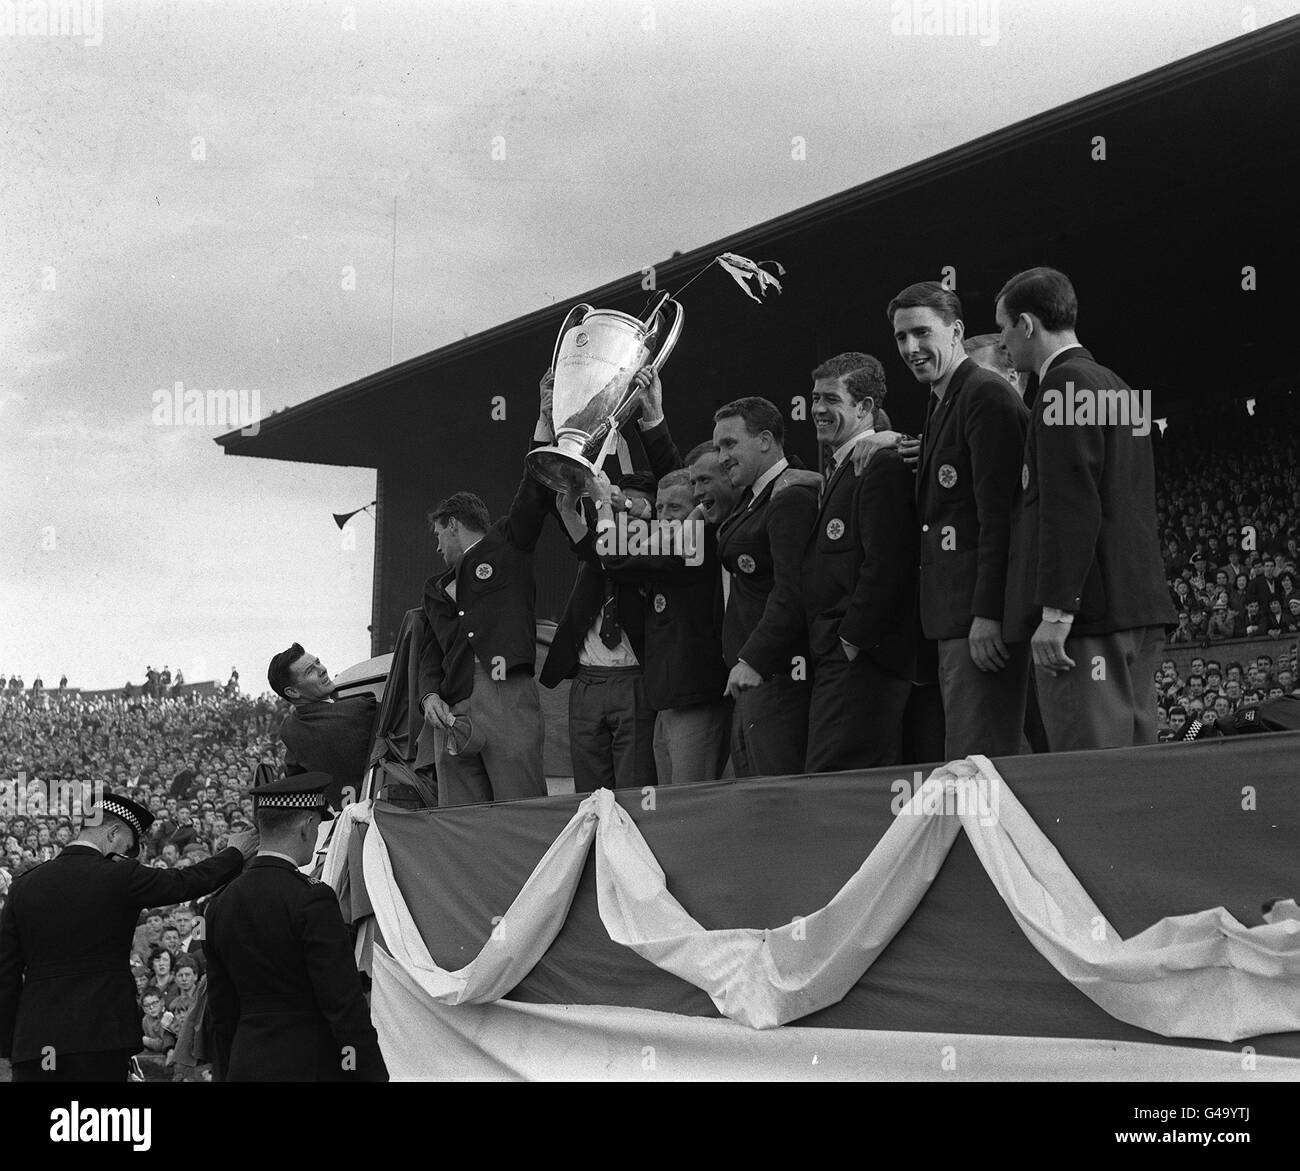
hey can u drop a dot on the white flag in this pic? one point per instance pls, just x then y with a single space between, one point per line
742 268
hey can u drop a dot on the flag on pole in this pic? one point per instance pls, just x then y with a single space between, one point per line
742 269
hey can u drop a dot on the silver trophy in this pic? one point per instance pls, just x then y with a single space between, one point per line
597 354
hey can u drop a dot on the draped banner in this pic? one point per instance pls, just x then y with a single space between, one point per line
1203 972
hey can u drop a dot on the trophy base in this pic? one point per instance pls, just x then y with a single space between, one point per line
561 470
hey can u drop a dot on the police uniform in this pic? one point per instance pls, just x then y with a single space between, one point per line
67 998
284 996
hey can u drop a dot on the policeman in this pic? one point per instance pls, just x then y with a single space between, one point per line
284 995
67 997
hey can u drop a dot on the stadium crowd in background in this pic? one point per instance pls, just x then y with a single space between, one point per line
189 760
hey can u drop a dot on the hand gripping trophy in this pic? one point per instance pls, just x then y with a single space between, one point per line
597 355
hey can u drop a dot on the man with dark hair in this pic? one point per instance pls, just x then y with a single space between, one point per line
684 671
321 733
966 476
761 545
284 994
599 642
1085 579
859 581
67 997
477 688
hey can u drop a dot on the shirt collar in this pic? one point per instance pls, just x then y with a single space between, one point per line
1042 370
842 452
768 476
277 854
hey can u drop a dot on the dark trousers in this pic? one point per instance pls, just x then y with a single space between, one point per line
1105 700
856 717
984 711
611 730
923 726
769 732
110 1065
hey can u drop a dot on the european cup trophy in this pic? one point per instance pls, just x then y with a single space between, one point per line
597 354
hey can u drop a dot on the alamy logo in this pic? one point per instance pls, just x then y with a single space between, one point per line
946 18
631 536
78 801
102 1124
182 407
54 18
1077 406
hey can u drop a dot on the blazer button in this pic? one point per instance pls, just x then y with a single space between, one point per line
460 613
470 634
925 528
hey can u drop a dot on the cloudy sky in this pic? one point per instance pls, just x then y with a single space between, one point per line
202 193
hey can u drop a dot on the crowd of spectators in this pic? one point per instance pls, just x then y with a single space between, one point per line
190 760
1229 515
1214 687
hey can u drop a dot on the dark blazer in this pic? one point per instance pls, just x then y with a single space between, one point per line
494 614
1083 527
762 545
859 567
284 993
588 593
968 473
683 624
332 738
65 940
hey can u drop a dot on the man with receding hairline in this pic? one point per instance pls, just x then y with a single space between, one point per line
966 472
1086 581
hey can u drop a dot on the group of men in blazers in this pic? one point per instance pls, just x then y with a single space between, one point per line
908 606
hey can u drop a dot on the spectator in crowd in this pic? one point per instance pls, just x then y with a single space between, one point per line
156 1025
161 977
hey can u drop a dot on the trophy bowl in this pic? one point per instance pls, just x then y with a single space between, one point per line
597 354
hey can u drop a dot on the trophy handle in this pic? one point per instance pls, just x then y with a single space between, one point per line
679 319
580 311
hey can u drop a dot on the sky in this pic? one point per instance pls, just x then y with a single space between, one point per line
203 194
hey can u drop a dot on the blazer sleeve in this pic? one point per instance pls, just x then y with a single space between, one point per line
327 953
1071 461
791 517
996 434
149 886
11 974
522 525
660 450
430 673
887 528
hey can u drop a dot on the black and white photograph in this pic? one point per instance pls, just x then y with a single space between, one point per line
633 542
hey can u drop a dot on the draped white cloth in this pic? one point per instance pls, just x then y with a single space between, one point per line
1203 975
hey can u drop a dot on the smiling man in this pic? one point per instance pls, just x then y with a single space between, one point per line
859 581
322 734
761 544
967 471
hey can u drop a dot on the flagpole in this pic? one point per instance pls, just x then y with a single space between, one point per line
392 302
